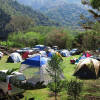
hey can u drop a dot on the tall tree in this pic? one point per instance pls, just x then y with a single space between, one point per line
95 4
4 19
55 71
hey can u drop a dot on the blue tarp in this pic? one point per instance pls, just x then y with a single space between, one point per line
50 54
36 61
80 58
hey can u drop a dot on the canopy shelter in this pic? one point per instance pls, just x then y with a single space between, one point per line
88 69
39 64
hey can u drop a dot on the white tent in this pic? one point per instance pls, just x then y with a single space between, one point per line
14 57
43 53
1 54
65 53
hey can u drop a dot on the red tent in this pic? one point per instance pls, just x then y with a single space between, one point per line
88 55
25 55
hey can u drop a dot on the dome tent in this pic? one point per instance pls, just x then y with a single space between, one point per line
43 53
14 58
40 75
65 53
88 69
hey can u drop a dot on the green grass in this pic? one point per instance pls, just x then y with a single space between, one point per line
39 94
69 68
4 65
91 87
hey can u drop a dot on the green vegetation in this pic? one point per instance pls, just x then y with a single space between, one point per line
15 17
95 4
55 70
50 36
42 35
27 39
74 89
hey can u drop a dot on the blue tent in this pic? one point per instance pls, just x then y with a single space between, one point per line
50 54
36 61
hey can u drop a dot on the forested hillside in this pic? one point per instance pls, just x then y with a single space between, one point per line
65 12
16 17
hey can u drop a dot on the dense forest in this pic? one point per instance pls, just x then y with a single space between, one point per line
15 17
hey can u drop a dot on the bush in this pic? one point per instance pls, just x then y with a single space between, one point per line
74 89
59 86
41 35
28 39
2 76
26 85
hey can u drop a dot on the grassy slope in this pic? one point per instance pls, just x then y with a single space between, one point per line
91 87
4 65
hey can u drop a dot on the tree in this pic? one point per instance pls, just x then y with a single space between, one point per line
4 20
55 71
91 38
88 40
86 23
95 4
19 23
60 38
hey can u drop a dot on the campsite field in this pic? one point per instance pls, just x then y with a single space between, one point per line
90 90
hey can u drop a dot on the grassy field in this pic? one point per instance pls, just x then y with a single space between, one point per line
91 87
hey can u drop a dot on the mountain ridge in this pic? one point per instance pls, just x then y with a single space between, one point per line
65 12
37 4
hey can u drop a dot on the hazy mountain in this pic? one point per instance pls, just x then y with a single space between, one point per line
66 15
66 12
12 7
37 4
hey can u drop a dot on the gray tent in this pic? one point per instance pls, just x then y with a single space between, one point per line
35 69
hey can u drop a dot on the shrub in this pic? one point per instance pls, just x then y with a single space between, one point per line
2 76
59 86
74 89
